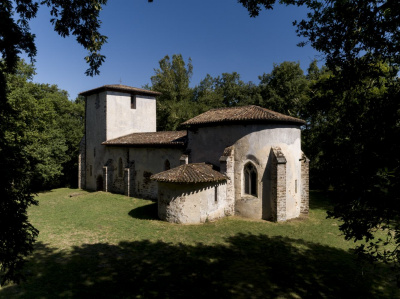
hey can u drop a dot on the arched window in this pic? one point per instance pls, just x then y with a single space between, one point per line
250 179
120 168
167 165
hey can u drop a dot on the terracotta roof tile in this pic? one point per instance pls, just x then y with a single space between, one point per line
245 114
190 173
163 138
120 88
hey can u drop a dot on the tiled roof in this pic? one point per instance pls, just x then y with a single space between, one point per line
190 173
120 88
164 138
244 114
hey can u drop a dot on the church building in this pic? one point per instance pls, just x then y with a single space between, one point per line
244 161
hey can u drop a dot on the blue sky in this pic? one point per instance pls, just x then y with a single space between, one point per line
218 35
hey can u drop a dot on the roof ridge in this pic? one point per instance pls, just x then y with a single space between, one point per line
190 173
248 113
157 132
120 87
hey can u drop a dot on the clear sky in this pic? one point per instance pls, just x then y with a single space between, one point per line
218 35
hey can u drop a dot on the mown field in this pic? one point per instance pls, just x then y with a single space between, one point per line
100 245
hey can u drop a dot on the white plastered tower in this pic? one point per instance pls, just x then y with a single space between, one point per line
112 111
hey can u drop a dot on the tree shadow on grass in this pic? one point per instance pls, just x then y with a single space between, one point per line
321 200
247 266
147 212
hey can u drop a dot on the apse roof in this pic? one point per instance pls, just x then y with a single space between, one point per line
120 88
190 173
151 139
242 114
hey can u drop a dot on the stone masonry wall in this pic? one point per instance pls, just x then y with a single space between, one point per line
227 164
278 177
281 192
305 189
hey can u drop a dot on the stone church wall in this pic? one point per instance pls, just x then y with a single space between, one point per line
191 203
149 161
95 131
138 164
252 144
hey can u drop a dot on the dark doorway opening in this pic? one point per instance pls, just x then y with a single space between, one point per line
99 183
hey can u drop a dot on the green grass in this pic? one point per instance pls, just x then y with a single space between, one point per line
100 245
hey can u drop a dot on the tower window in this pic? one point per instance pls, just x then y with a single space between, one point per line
133 102
167 165
120 168
250 179
97 101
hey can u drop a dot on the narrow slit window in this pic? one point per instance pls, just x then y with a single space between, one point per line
216 194
133 102
167 165
120 168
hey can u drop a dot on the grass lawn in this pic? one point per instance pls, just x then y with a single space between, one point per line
101 245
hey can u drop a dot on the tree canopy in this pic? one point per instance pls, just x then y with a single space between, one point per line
19 155
172 79
41 131
77 18
354 114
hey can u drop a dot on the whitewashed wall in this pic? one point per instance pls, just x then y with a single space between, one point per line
253 143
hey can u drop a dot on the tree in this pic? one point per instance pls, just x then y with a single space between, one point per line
234 91
17 235
355 112
40 144
79 18
172 80
351 34
227 90
285 89
52 128
206 96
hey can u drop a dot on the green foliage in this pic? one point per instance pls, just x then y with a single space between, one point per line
285 89
51 128
40 134
78 18
17 235
172 80
227 90
33 147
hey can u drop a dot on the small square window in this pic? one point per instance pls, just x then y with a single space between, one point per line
133 102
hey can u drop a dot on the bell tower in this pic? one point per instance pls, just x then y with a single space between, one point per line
113 111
